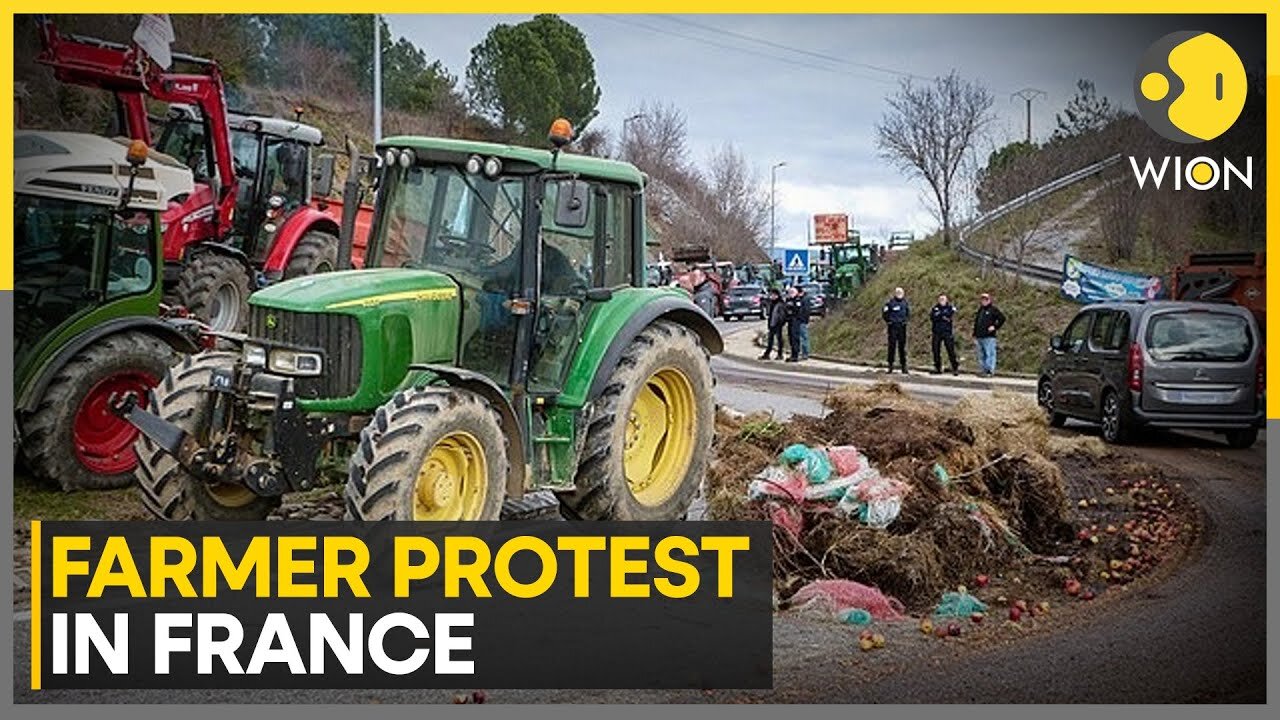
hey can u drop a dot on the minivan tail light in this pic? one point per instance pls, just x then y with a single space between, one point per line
1135 367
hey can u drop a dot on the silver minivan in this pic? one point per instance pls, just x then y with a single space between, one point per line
1162 364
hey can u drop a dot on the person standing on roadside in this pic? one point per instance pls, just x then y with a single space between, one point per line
942 318
806 308
796 307
986 324
896 313
776 319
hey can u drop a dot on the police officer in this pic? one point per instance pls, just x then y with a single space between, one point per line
797 321
942 318
896 313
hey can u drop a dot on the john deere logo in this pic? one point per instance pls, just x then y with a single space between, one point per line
271 322
1190 87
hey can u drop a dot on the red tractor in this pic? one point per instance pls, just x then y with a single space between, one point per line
259 211
1236 277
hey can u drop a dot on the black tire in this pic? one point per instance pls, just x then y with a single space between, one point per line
49 441
602 490
395 446
169 491
1117 426
1242 439
316 252
215 288
1044 396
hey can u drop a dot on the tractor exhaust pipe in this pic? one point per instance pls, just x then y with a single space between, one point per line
350 206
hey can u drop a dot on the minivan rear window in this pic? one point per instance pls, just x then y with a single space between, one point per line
1191 336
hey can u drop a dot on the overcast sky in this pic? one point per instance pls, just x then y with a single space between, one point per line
808 90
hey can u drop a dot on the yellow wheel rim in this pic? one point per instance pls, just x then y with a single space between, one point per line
453 480
658 446
229 495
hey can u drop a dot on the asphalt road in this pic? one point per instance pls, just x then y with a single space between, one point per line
1199 635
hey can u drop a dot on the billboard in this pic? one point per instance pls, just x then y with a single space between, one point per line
1087 283
830 229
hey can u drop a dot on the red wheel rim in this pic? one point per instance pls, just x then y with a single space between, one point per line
103 441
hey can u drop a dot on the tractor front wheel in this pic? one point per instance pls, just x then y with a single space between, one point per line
73 438
649 439
429 454
167 489
316 252
215 288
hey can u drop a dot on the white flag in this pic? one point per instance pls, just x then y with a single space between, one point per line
154 36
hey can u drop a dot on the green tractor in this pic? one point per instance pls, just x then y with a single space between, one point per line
88 214
852 264
500 339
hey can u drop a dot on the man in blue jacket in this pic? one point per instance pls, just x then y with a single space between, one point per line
942 318
896 313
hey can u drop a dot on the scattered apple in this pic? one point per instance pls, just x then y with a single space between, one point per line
1087 594
1083 503
1104 575
461 699
977 618
953 629
940 631
1083 535
1015 613
478 697
1072 586
982 581
1111 530
877 640
926 626
1021 605
867 644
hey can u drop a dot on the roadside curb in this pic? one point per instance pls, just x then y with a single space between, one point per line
862 372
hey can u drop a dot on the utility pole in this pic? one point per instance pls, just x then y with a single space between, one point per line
773 203
626 124
377 78
1027 95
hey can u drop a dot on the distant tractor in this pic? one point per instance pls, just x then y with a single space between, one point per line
849 265
501 339
87 266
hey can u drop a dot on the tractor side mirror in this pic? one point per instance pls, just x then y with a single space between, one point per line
599 295
1055 342
573 198
322 175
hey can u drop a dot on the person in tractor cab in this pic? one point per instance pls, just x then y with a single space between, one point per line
291 158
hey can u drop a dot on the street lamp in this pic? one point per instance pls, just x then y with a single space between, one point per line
625 124
773 202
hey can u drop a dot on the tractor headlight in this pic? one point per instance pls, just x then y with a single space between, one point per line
492 166
389 158
275 202
255 355
474 165
406 158
295 362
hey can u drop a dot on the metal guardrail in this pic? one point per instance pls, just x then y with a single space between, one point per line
1029 271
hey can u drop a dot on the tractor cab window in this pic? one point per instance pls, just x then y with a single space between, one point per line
69 257
469 227
286 170
184 140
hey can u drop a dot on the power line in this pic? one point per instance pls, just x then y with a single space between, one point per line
788 48
736 48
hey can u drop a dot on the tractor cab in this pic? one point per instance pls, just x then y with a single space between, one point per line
271 158
78 251
531 249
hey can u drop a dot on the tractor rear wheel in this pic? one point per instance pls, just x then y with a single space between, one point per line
215 288
316 252
429 454
168 490
649 440
73 438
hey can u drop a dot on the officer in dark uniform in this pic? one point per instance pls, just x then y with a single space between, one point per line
896 313
942 318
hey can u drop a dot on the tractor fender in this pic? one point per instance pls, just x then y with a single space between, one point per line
156 327
517 459
302 221
219 248
674 308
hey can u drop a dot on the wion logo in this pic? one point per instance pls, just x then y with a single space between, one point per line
1190 87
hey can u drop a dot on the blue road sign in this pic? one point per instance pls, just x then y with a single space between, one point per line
795 262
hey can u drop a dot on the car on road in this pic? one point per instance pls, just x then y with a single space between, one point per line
744 301
1158 364
817 293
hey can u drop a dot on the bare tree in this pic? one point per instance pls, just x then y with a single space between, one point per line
929 129
1026 229
738 196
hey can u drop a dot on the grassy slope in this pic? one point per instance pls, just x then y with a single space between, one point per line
856 331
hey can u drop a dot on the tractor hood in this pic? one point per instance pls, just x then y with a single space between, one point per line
352 289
